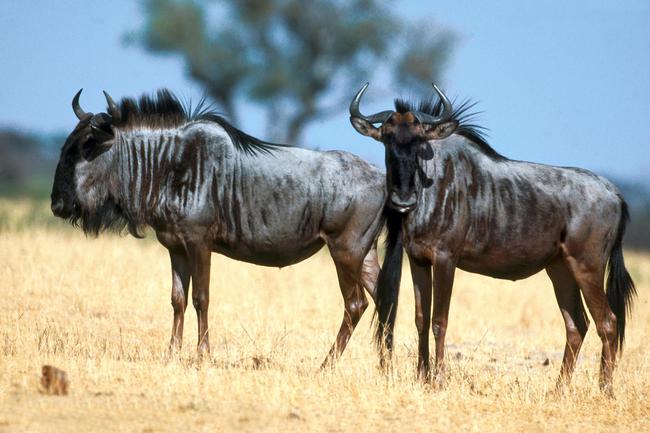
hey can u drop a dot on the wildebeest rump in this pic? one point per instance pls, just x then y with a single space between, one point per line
205 186
466 206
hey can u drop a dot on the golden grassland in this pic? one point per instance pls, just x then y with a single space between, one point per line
100 309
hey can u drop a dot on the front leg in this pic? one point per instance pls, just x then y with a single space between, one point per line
421 275
443 281
199 257
180 288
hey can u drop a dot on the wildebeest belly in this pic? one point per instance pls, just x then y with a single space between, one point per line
277 254
509 264
263 250
503 270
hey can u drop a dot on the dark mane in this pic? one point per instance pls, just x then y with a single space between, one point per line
462 114
165 110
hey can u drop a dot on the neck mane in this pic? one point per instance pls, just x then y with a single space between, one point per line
164 110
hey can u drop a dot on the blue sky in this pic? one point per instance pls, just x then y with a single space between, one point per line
565 83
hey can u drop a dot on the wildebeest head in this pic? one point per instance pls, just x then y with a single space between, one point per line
405 136
75 193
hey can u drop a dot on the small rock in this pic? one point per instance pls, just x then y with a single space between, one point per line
54 381
295 413
546 362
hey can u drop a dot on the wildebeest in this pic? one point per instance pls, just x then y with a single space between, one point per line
466 206
203 186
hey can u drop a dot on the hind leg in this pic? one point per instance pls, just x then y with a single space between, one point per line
348 269
590 279
573 313
370 271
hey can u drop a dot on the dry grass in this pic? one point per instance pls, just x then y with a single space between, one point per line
100 309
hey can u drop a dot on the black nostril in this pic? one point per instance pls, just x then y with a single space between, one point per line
57 206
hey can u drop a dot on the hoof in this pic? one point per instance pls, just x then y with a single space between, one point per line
608 390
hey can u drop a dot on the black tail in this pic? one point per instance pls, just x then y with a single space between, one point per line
389 281
620 287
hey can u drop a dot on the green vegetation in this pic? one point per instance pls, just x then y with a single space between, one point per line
37 187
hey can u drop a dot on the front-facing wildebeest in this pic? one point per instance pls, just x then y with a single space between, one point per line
466 206
205 186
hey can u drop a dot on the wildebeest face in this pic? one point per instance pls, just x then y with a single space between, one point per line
64 201
92 136
402 142
405 137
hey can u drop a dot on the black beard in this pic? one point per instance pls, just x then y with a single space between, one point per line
109 216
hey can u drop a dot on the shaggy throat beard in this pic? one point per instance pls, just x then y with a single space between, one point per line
108 216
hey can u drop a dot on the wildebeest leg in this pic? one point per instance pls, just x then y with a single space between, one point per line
573 313
443 281
421 274
370 271
200 267
180 287
590 278
355 302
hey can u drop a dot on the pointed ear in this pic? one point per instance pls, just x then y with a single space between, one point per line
441 130
92 151
101 135
102 141
366 128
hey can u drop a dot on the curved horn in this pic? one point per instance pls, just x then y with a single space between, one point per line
380 117
113 109
447 110
76 107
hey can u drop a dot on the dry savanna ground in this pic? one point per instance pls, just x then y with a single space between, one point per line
100 309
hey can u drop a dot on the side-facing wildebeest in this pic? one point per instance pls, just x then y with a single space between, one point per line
204 186
466 206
